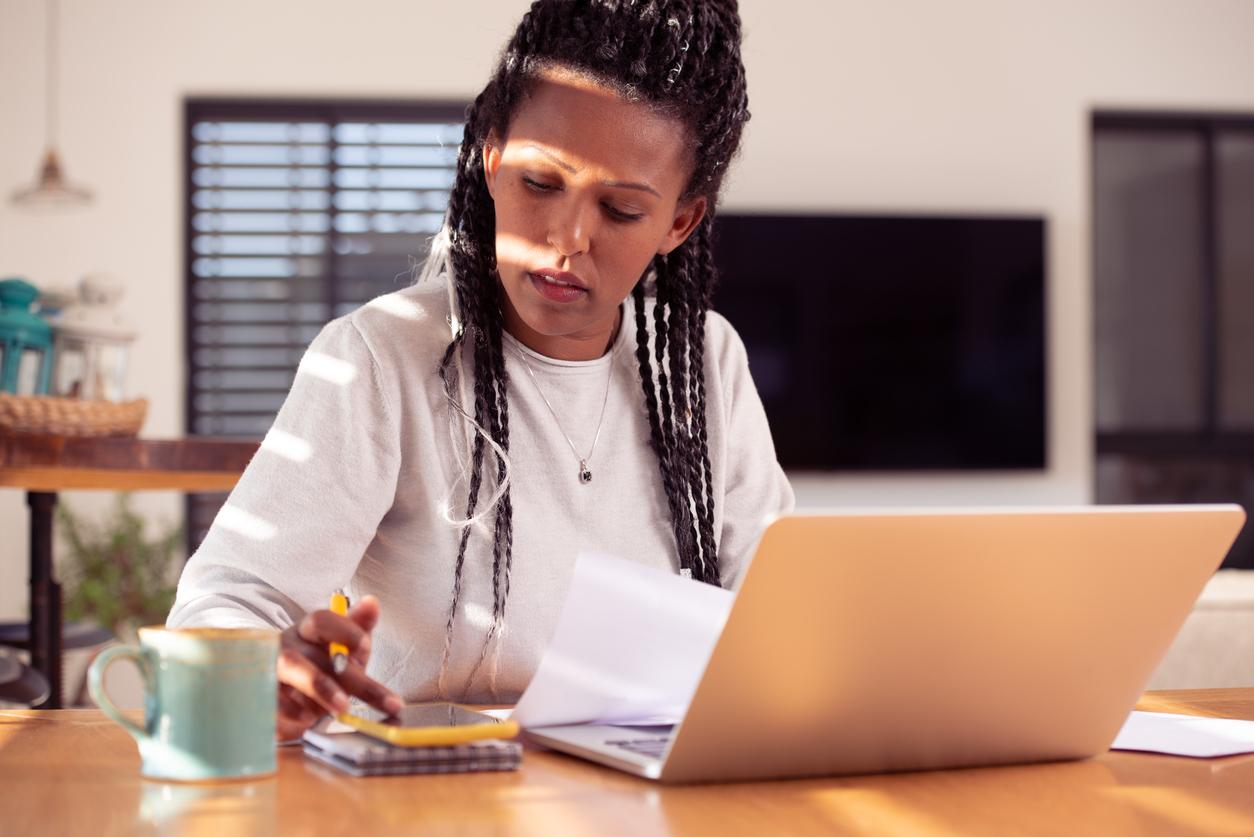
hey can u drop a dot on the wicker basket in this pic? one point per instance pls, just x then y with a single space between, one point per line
71 416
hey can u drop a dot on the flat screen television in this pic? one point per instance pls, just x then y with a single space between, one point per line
886 343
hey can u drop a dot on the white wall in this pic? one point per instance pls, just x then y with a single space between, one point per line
898 105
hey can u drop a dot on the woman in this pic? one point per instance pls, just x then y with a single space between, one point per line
552 384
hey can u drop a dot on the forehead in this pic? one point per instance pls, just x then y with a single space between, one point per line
587 124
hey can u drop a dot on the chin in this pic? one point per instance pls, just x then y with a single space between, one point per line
554 324
552 319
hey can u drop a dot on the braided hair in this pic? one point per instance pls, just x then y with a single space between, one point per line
680 58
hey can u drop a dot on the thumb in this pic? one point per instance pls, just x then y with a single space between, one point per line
365 613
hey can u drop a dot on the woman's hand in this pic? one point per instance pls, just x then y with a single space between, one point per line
308 687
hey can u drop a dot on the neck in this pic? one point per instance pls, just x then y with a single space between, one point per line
588 344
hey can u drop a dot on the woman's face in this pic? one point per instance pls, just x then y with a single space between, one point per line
586 186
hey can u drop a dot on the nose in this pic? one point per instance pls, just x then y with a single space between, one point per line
569 231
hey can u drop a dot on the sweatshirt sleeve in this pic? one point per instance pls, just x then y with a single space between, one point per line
756 488
299 520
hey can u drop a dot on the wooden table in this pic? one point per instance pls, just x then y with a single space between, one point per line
73 772
45 464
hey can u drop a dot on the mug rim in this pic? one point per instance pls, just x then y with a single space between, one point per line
210 633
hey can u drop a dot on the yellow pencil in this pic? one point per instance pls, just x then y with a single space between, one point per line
339 654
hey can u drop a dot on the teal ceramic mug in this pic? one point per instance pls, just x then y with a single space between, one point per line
210 701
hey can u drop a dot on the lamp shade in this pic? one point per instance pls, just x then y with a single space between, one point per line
51 190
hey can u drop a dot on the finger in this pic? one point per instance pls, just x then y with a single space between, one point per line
299 672
311 709
323 627
356 682
286 729
365 613
288 707
296 714
362 652
296 707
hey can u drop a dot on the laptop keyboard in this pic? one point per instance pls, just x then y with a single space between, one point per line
651 747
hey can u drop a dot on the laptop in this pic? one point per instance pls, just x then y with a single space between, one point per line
868 642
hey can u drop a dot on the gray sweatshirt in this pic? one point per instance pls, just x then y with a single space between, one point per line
360 484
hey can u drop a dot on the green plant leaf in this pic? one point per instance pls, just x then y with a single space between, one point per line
112 573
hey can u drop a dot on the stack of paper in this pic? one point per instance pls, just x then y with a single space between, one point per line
361 755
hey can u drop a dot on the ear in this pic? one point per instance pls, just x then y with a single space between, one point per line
687 216
491 163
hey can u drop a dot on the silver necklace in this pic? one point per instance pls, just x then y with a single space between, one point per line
585 474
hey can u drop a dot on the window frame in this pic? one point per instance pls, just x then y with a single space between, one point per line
1212 440
271 109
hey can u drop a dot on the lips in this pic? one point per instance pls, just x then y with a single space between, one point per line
561 277
558 285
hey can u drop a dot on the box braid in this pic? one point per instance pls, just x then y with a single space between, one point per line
682 59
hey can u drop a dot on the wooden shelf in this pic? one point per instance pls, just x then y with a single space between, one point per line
38 462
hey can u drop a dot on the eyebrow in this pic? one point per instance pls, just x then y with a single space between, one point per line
643 187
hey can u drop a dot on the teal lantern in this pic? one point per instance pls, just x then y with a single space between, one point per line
25 341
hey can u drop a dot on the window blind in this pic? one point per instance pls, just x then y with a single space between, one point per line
297 212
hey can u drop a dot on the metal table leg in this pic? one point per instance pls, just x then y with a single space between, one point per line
45 597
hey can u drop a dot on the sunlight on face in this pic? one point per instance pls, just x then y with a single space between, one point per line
587 184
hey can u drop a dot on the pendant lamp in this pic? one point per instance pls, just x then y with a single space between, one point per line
51 189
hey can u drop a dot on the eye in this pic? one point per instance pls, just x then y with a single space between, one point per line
616 214
539 187
619 215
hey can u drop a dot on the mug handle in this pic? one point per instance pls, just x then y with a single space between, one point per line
95 685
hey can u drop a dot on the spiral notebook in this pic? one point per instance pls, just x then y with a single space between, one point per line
360 755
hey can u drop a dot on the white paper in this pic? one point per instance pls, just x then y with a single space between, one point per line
630 647
1185 735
